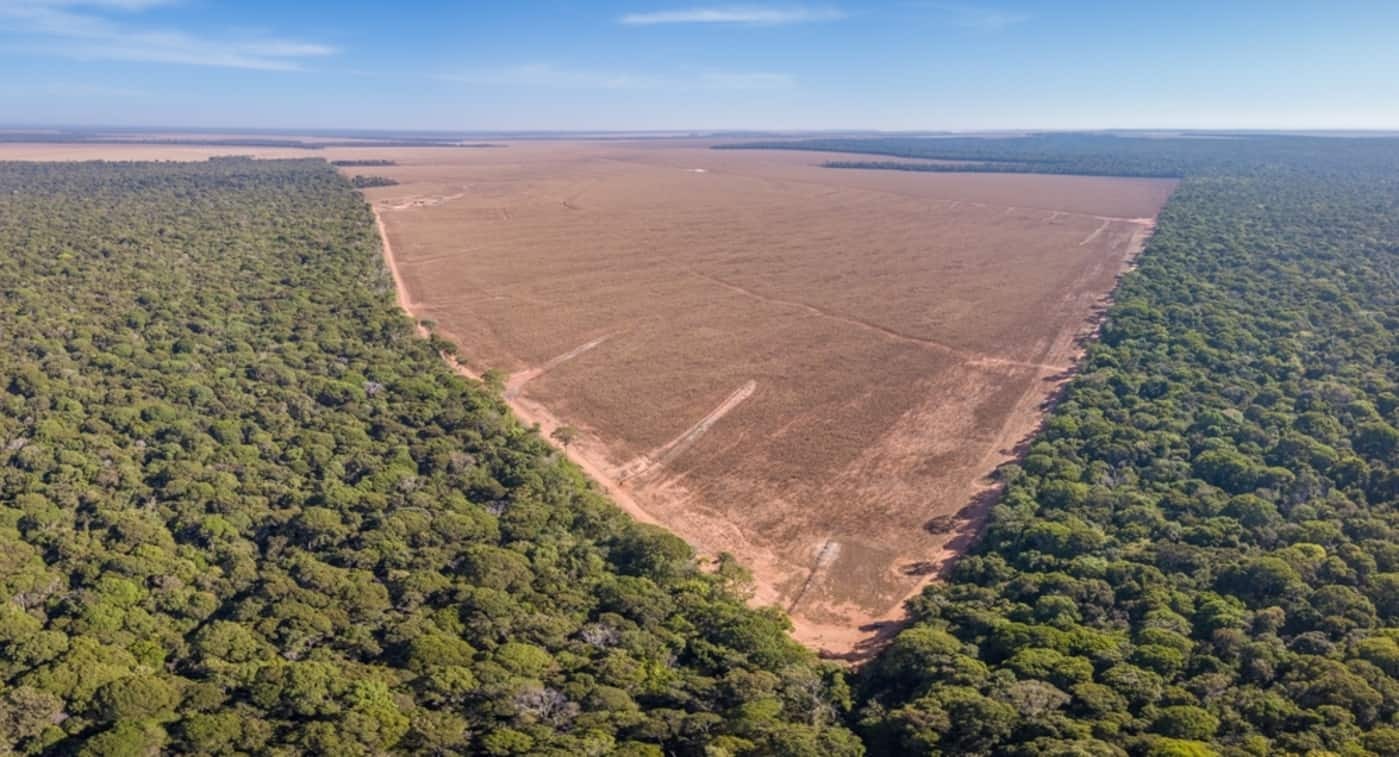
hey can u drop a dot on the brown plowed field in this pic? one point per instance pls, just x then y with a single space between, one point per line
806 367
813 369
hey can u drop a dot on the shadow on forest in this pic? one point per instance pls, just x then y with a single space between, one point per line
880 634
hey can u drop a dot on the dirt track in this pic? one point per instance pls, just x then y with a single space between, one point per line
740 376
529 413
812 369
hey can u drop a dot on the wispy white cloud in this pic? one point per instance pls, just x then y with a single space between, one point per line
117 5
980 17
747 15
549 76
86 30
16 88
757 80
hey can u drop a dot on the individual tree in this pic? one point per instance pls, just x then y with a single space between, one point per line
564 435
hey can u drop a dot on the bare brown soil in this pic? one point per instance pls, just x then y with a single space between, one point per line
813 369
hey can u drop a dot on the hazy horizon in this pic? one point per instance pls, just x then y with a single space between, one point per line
736 132
697 66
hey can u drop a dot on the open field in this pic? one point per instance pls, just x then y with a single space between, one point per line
813 369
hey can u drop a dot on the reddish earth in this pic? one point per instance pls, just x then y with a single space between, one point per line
813 369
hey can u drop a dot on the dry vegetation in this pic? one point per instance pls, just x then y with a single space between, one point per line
815 370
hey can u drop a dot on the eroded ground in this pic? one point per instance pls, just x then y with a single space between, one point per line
813 369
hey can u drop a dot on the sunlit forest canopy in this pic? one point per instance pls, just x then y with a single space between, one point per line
244 509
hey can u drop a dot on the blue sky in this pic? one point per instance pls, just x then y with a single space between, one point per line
642 64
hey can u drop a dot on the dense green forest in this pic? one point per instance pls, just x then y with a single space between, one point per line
244 509
1200 552
365 182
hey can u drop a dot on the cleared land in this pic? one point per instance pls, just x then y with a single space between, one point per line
813 369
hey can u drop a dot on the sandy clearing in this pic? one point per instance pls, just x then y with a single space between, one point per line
903 332
883 331
530 413
1095 233
646 463
516 383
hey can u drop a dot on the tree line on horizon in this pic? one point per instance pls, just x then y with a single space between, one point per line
244 509
1199 554
1102 154
359 181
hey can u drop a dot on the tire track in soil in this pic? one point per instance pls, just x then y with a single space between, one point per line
516 383
825 557
1011 437
1096 232
591 456
588 453
972 358
645 463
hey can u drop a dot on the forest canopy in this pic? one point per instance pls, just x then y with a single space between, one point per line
1199 553
366 182
243 509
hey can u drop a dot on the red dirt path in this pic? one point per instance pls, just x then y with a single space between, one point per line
813 369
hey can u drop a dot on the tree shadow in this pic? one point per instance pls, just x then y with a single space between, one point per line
880 633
